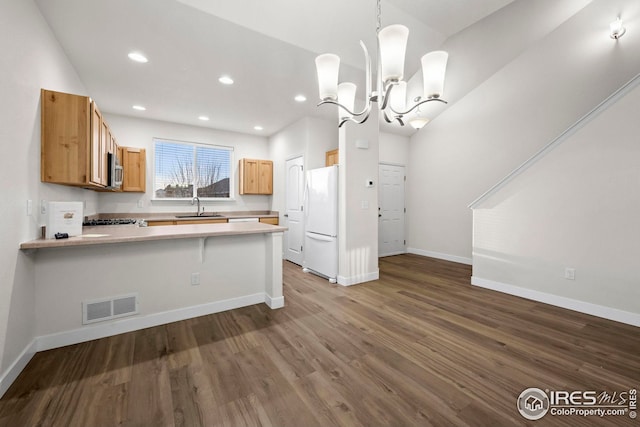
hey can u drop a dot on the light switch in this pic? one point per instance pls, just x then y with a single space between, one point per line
29 207
364 204
195 279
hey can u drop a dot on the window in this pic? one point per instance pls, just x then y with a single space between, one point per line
184 170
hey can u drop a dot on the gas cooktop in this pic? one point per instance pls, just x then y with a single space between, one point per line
110 221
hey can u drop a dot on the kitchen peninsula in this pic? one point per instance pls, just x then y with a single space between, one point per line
171 273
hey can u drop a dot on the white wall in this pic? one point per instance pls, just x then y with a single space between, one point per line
159 272
518 109
394 149
309 137
31 59
313 138
577 207
358 204
482 49
135 132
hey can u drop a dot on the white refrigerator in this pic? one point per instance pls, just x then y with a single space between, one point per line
321 223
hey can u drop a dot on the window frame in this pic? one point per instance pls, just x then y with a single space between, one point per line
194 146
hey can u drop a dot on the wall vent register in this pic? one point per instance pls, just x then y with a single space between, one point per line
99 310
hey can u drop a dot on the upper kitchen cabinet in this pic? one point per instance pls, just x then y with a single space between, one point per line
331 157
74 141
134 169
98 151
256 176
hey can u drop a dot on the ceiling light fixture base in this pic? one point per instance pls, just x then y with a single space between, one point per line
617 30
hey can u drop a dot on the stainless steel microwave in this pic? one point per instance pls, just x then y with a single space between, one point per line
116 172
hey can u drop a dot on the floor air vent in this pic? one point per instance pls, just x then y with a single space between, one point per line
109 308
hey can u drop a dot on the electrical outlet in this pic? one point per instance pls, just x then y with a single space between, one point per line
195 279
43 207
570 273
140 203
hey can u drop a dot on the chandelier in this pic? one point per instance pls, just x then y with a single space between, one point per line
391 89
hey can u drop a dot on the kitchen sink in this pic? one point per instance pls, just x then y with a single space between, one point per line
202 215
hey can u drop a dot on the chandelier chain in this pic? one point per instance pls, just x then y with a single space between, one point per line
378 18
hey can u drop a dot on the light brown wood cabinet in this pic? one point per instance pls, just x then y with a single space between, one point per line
75 141
256 176
66 137
134 174
153 223
331 157
107 147
98 170
272 221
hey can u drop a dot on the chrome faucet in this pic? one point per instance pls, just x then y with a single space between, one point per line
196 199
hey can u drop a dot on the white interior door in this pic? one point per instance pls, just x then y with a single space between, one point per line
294 237
391 240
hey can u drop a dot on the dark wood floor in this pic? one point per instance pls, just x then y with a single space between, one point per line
418 347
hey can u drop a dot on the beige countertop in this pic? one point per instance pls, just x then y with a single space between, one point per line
132 233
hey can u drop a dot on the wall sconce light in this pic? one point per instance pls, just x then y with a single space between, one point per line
617 30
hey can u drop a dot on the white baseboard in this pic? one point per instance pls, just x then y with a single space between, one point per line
360 278
130 324
572 304
392 254
9 376
438 255
277 302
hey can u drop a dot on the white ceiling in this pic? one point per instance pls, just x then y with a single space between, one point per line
449 16
268 48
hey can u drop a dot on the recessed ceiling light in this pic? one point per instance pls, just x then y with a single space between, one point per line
258 127
203 118
139 108
138 57
226 80
300 98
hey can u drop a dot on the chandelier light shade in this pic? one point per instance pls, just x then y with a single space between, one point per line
390 93
434 66
418 122
328 66
346 97
393 45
